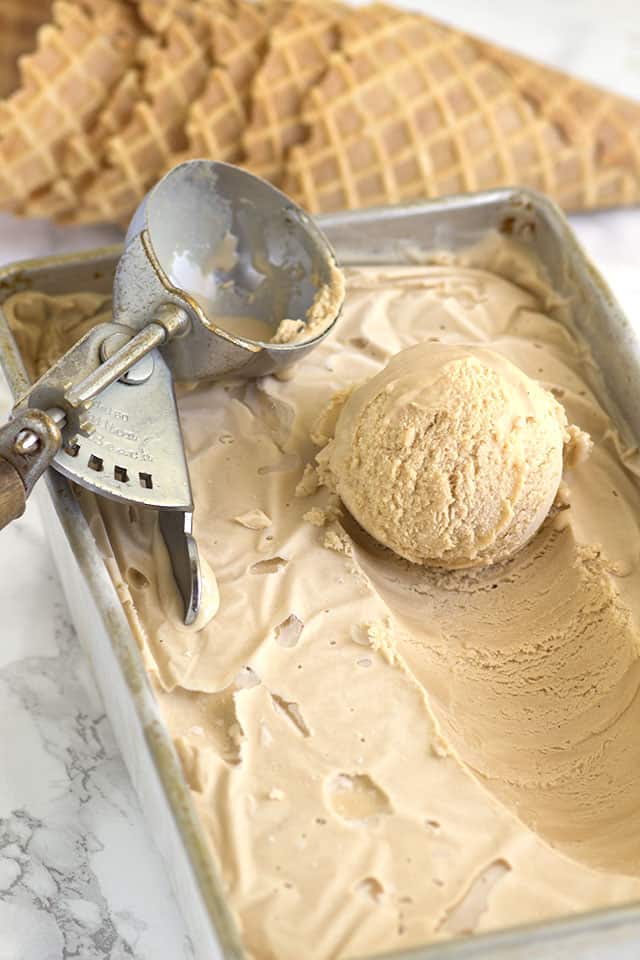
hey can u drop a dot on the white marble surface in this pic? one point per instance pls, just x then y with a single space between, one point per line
79 876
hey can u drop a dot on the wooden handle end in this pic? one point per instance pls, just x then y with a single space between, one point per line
12 495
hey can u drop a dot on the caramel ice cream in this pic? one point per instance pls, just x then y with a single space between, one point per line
383 753
450 456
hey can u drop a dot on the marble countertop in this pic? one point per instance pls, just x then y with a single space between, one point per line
79 875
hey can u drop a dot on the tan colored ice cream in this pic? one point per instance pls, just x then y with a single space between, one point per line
450 456
385 754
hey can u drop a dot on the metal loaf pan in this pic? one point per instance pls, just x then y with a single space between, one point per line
386 235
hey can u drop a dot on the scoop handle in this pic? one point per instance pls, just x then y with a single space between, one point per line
13 496
28 444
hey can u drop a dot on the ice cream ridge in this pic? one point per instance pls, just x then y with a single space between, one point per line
414 713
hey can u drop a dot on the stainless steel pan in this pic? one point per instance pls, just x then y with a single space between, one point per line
387 235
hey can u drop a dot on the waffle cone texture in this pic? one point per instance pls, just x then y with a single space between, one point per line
339 107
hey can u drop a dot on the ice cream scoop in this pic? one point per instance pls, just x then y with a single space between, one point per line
450 456
221 274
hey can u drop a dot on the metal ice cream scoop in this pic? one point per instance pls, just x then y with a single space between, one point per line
211 249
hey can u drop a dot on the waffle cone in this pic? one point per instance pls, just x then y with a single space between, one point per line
84 151
342 108
608 125
57 201
409 108
159 15
19 22
174 69
299 49
83 156
217 119
64 84
131 110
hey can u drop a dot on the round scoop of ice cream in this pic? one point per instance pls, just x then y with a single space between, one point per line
450 456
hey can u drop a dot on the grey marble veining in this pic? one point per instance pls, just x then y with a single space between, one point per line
79 877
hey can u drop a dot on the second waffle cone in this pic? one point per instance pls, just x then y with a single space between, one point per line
340 107
410 108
